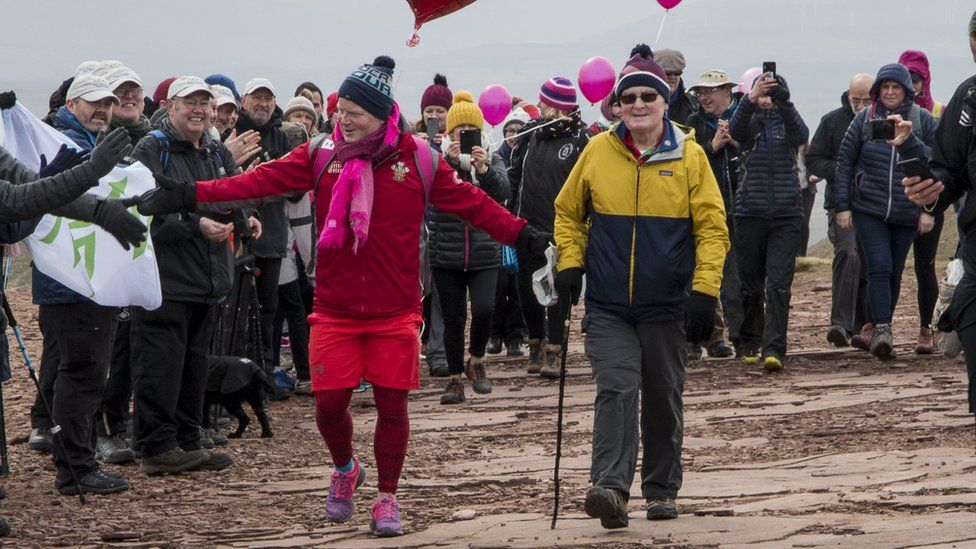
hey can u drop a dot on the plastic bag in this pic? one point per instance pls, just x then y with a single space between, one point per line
544 280
948 342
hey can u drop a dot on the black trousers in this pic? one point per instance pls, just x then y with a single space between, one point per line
74 362
925 247
267 287
113 413
453 287
169 374
767 260
809 196
507 323
540 322
292 308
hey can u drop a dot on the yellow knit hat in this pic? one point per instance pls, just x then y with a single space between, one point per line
464 111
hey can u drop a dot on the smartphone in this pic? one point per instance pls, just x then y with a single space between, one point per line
469 140
769 67
433 127
915 167
881 129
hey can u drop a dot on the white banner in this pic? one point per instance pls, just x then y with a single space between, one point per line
80 254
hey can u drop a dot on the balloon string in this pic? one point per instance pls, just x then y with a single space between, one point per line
661 28
402 65
528 131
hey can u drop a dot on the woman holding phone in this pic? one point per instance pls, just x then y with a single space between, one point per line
464 259
869 193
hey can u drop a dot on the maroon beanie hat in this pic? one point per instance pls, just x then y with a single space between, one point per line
437 94
641 70
162 90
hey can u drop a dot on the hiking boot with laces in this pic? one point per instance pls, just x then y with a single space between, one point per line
215 461
553 362
41 440
694 352
438 369
748 355
513 347
537 355
454 392
114 449
494 346
95 482
925 344
475 370
174 460
339 505
608 505
881 342
862 340
661 509
215 437
386 518
838 337
720 349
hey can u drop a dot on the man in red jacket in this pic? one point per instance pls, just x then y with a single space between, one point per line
366 318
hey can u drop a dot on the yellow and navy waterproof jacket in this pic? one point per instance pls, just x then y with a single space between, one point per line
643 232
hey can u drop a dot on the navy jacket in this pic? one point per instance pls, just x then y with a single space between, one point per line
274 145
868 178
769 185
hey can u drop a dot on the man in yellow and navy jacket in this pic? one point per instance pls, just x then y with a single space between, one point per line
642 215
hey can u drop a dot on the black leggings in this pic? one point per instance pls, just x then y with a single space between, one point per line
925 248
452 288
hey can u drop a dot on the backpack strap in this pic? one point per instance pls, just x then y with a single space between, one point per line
321 151
163 141
427 164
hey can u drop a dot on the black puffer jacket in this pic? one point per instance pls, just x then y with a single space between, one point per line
769 184
191 268
452 242
274 145
24 196
822 158
541 162
681 109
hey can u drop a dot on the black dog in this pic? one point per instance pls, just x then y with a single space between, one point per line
234 380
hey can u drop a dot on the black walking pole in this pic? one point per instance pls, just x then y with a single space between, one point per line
56 429
559 413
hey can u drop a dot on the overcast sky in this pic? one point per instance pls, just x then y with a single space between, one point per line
817 44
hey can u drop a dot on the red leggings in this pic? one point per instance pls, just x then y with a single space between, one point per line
389 440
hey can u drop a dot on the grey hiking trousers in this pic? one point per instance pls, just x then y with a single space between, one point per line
628 360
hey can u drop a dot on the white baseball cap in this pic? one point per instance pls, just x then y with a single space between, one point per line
188 85
90 88
122 75
256 84
223 96
86 67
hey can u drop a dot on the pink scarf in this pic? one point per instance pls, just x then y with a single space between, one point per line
352 194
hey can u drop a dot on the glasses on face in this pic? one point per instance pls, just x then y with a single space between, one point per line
709 91
194 103
859 104
645 97
128 92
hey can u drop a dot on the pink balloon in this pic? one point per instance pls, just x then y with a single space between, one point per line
596 78
747 78
495 103
668 4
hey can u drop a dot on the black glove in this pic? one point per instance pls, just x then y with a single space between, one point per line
780 97
171 196
569 284
113 216
699 317
109 150
66 159
8 99
532 242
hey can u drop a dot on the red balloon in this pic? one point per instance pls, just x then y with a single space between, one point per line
668 4
428 10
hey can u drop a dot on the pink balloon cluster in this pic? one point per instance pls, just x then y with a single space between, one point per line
495 103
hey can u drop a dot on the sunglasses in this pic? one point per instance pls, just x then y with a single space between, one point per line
631 98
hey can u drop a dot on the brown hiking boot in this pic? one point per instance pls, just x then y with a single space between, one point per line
537 355
475 370
925 345
862 340
551 370
454 392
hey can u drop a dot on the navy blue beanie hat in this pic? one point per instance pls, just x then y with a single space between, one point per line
370 87
222 80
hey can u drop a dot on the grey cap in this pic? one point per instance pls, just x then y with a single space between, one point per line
86 67
223 96
670 60
120 76
188 85
256 84
90 88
